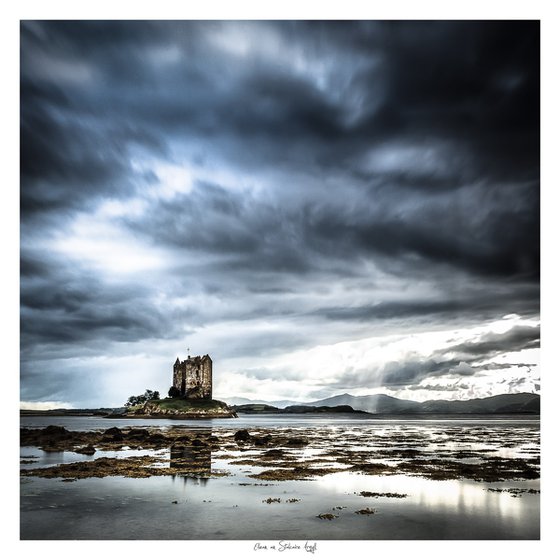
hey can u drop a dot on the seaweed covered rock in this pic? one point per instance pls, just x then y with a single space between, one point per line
242 435
87 450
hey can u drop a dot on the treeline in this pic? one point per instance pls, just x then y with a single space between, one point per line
141 399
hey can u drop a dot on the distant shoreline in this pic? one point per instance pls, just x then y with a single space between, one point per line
31 413
378 405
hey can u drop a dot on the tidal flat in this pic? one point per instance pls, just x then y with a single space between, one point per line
246 479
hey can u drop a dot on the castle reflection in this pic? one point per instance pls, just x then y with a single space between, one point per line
193 459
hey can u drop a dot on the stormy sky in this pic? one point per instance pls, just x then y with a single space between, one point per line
323 207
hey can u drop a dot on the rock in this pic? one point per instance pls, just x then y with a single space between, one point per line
242 435
366 511
262 440
197 443
275 453
296 442
138 433
56 431
113 434
53 437
272 501
328 516
112 431
87 450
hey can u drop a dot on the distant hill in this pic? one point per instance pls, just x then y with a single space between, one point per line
383 404
295 409
380 404
499 404
241 401
518 403
72 412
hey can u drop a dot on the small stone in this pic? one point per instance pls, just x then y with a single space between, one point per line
328 516
367 511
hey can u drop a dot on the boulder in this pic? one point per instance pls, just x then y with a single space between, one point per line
87 450
112 431
56 431
138 433
296 442
265 440
242 435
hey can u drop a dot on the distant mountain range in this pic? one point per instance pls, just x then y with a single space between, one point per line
518 403
383 404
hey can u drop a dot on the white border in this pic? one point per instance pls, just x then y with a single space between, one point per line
290 9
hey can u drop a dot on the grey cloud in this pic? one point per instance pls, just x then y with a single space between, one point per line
477 305
263 374
439 387
399 374
457 361
411 370
66 307
282 107
516 339
498 365
285 237
414 371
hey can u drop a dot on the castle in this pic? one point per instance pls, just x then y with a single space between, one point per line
193 377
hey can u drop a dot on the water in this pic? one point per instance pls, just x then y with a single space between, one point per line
87 423
235 506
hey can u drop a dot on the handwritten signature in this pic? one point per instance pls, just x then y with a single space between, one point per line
282 546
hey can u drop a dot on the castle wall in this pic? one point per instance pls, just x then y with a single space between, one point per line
206 377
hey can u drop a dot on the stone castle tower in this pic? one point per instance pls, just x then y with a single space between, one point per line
193 377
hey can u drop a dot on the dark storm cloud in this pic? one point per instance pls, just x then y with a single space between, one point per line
439 80
353 152
287 237
455 233
63 306
516 339
476 305
480 88
405 373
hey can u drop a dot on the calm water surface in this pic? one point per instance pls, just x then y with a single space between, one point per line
86 423
234 507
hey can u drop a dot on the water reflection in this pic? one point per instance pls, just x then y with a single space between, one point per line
193 459
453 497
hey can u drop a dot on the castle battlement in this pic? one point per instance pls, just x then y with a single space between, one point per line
193 377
